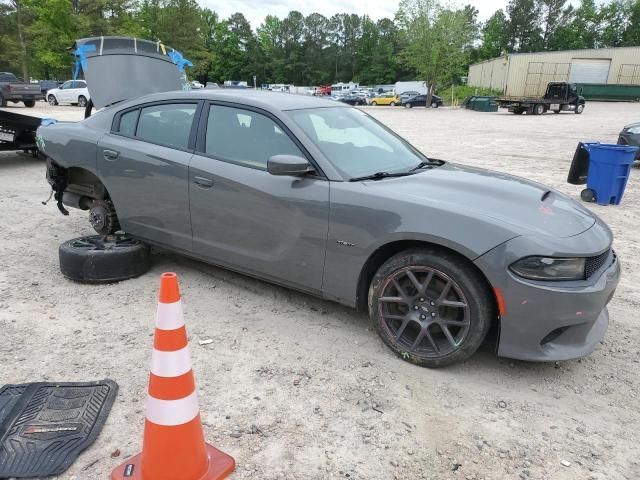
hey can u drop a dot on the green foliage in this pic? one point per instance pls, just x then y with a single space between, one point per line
438 40
455 94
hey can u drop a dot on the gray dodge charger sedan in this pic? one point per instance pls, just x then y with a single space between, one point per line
320 197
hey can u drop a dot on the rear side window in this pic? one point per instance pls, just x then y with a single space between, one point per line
128 123
168 124
245 137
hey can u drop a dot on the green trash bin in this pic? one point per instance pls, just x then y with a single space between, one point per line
482 104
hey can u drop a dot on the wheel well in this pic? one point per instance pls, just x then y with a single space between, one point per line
382 254
85 183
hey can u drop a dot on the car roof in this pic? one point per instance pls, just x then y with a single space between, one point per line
278 101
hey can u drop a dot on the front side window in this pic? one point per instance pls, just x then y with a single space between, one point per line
66 85
167 124
245 137
355 143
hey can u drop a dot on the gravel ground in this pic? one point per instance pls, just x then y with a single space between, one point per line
299 388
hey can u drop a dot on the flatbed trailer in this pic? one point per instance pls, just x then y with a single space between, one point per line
559 97
18 132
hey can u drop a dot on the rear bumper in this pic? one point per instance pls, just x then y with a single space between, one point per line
552 321
20 97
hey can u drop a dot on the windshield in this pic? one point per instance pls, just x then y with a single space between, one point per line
8 77
356 144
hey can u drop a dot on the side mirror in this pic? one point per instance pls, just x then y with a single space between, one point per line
288 165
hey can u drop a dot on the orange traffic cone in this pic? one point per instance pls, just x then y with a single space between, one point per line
173 446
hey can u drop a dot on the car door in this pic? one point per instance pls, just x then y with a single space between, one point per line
77 89
247 219
63 94
144 164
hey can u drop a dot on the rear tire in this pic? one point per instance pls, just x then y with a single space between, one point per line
437 320
518 111
3 101
538 109
393 104
100 259
29 103
52 100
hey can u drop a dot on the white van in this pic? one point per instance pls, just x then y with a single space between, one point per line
401 87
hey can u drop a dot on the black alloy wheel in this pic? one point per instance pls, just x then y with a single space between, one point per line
431 307
104 259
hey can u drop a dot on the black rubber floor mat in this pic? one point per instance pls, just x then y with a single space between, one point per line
45 426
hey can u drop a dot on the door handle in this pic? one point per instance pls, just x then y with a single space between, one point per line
110 155
203 182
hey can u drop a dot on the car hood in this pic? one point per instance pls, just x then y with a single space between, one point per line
123 68
526 206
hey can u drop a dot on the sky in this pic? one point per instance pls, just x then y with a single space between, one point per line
256 10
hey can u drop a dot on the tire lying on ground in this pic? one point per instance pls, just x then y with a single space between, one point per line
103 259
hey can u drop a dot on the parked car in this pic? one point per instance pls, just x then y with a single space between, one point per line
46 85
353 99
406 95
388 98
74 92
320 197
196 84
14 90
421 101
630 135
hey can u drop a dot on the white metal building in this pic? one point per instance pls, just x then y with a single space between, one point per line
521 74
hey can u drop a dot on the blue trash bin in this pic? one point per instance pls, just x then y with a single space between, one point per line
609 169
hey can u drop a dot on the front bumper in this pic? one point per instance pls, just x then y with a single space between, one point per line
552 321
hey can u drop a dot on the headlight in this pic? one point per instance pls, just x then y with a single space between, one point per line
549 268
634 130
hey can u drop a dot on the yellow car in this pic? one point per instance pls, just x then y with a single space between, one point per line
388 98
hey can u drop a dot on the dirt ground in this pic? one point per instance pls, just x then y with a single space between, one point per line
299 388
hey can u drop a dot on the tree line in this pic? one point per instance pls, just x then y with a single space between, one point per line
425 40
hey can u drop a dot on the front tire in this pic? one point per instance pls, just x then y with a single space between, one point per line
3 101
52 100
434 105
538 109
393 104
29 103
579 109
82 101
431 307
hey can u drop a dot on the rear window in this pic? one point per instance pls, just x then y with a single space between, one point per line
128 123
168 124
8 77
